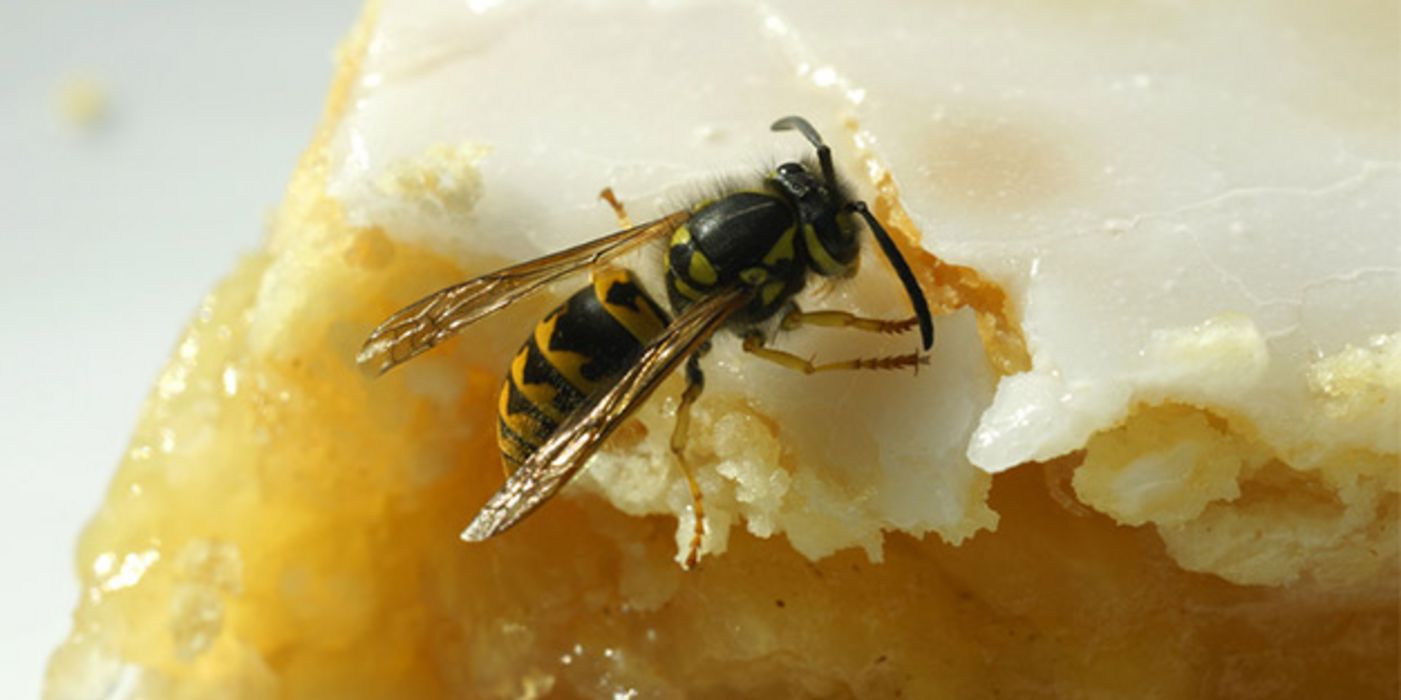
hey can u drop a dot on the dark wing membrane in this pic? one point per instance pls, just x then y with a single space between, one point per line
565 452
436 317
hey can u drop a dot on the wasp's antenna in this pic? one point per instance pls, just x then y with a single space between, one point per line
824 154
902 270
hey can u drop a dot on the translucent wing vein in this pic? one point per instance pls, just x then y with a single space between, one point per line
438 316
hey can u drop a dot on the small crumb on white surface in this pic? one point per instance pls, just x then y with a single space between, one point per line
83 102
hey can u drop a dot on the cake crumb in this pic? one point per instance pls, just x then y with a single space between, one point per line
83 102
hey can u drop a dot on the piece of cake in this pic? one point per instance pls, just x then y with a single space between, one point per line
1154 452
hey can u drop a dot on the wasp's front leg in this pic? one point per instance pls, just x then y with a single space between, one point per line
754 344
797 318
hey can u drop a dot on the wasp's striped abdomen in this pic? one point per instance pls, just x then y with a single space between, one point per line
580 347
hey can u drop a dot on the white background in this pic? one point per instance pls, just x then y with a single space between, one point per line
110 235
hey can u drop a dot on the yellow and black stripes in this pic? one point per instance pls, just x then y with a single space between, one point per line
822 260
580 347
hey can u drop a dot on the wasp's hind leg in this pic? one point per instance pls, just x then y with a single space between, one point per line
624 222
797 318
754 345
619 210
695 383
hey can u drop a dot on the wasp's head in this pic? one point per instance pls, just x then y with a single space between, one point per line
828 231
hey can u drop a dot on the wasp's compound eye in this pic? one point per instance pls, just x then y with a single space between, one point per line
790 169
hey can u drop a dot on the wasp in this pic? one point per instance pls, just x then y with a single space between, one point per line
733 261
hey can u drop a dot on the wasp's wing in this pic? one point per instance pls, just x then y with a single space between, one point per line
562 455
436 317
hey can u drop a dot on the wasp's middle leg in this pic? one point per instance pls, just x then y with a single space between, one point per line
695 383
